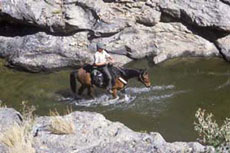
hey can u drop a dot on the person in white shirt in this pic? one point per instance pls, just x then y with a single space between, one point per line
101 60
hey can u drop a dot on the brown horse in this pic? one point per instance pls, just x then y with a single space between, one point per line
85 79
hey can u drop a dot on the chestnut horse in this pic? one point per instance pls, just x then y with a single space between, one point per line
85 79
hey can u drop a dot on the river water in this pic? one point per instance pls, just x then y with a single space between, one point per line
179 88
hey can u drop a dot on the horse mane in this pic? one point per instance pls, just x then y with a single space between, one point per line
88 67
130 73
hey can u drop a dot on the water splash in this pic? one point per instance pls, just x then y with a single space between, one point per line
225 84
136 90
164 87
130 96
103 100
165 96
157 98
217 74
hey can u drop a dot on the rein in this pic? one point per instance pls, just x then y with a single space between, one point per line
140 78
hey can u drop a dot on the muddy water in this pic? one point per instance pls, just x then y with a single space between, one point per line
179 88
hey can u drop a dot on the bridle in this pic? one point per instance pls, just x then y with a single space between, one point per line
141 79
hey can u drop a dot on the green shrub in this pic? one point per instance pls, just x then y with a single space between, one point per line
210 132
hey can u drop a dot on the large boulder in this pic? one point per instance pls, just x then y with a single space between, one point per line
42 51
203 13
9 117
56 16
95 16
224 45
70 16
91 130
175 40
44 14
94 133
63 33
164 41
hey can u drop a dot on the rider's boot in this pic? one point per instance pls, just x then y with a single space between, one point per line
109 87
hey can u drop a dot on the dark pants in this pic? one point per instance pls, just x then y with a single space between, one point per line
108 75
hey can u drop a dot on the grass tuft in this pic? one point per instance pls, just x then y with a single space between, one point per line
2 105
60 124
19 138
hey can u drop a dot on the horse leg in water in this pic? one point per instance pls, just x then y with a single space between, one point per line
81 89
114 93
118 86
90 91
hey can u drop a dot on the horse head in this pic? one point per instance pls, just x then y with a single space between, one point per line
144 78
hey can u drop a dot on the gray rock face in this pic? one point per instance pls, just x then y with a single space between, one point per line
63 33
135 42
3 149
224 45
226 1
148 16
8 117
175 40
66 16
43 52
164 40
45 14
211 13
94 133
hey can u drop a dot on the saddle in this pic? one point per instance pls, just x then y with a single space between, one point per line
99 78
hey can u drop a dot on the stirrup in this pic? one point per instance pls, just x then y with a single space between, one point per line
110 91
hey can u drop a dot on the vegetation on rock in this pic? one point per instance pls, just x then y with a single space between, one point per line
60 124
19 137
210 132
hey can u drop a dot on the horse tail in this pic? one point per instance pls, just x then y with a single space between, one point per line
73 84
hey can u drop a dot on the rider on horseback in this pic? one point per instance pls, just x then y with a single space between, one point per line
101 61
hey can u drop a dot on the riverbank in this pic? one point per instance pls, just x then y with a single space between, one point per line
90 132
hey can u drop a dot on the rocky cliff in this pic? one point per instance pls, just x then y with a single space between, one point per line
91 133
39 35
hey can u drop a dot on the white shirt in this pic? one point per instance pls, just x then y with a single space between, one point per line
100 57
